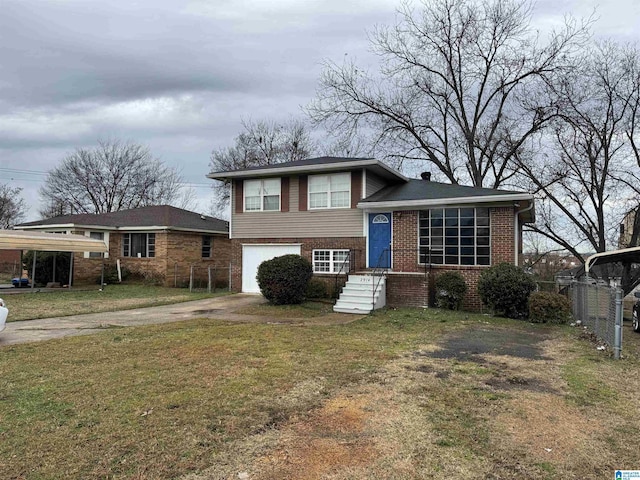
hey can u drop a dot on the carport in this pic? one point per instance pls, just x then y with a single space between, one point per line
628 260
49 242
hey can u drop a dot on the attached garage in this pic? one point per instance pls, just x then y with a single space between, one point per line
254 254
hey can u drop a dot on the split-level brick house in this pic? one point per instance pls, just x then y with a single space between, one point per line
358 214
156 241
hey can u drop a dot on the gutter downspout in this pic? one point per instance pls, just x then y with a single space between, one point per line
516 232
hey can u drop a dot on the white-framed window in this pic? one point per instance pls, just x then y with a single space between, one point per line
330 191
141 245
331 261
262 195
455 236
96 236
104 236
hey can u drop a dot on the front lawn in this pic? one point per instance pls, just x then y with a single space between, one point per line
399 394
28 306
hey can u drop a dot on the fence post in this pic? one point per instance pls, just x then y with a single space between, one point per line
209 279
191 279
229 284
597 319
617 348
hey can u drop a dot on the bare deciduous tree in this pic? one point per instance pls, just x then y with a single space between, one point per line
111 177
12 206
586 175
261 143
459 87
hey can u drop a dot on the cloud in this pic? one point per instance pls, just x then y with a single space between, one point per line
177 76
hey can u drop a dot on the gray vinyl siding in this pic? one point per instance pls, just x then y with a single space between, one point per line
312 223
374 183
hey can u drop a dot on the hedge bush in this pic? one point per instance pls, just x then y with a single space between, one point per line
283 280
111 274
450 290
547 307
505 289
316 289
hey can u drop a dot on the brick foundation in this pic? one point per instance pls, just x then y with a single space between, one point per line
408 290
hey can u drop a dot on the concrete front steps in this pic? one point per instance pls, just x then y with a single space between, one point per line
357 295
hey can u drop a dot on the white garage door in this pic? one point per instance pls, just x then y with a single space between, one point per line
254 255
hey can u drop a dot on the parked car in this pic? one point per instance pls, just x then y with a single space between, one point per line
4 313
20 282
636 313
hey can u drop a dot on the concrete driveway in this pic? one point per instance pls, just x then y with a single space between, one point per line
222 308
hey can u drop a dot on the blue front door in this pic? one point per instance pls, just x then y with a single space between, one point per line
380 240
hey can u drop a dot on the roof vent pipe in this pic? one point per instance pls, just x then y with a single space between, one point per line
426 176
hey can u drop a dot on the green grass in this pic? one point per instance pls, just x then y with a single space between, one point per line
75 408
305 310
28 306
585 387
160 402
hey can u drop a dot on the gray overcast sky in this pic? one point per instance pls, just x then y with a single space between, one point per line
179 76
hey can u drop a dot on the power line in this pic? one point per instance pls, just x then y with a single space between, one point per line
22 171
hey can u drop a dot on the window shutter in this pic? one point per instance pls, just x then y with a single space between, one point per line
356 187
302 204
284 194
239 197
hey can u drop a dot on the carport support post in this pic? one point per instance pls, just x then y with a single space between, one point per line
209 278
617 348
70 270
191 279
33 270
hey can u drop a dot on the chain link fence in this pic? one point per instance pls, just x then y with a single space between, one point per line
199 278
8 271
599 308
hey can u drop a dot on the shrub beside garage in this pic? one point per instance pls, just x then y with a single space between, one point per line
284 280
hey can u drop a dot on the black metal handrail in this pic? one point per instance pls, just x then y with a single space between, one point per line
382 271
342 269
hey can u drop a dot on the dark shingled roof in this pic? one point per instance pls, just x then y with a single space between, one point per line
158 215
427 190
302 163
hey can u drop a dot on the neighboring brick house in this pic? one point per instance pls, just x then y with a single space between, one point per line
155 241
355 214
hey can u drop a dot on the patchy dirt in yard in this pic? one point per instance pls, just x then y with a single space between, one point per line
326 442
547 428
484 403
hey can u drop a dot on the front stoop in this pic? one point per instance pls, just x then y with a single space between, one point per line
358 297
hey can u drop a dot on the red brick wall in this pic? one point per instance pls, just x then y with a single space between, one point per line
181 248
10 256
405 251
407 290
308 245
502 235
405 242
